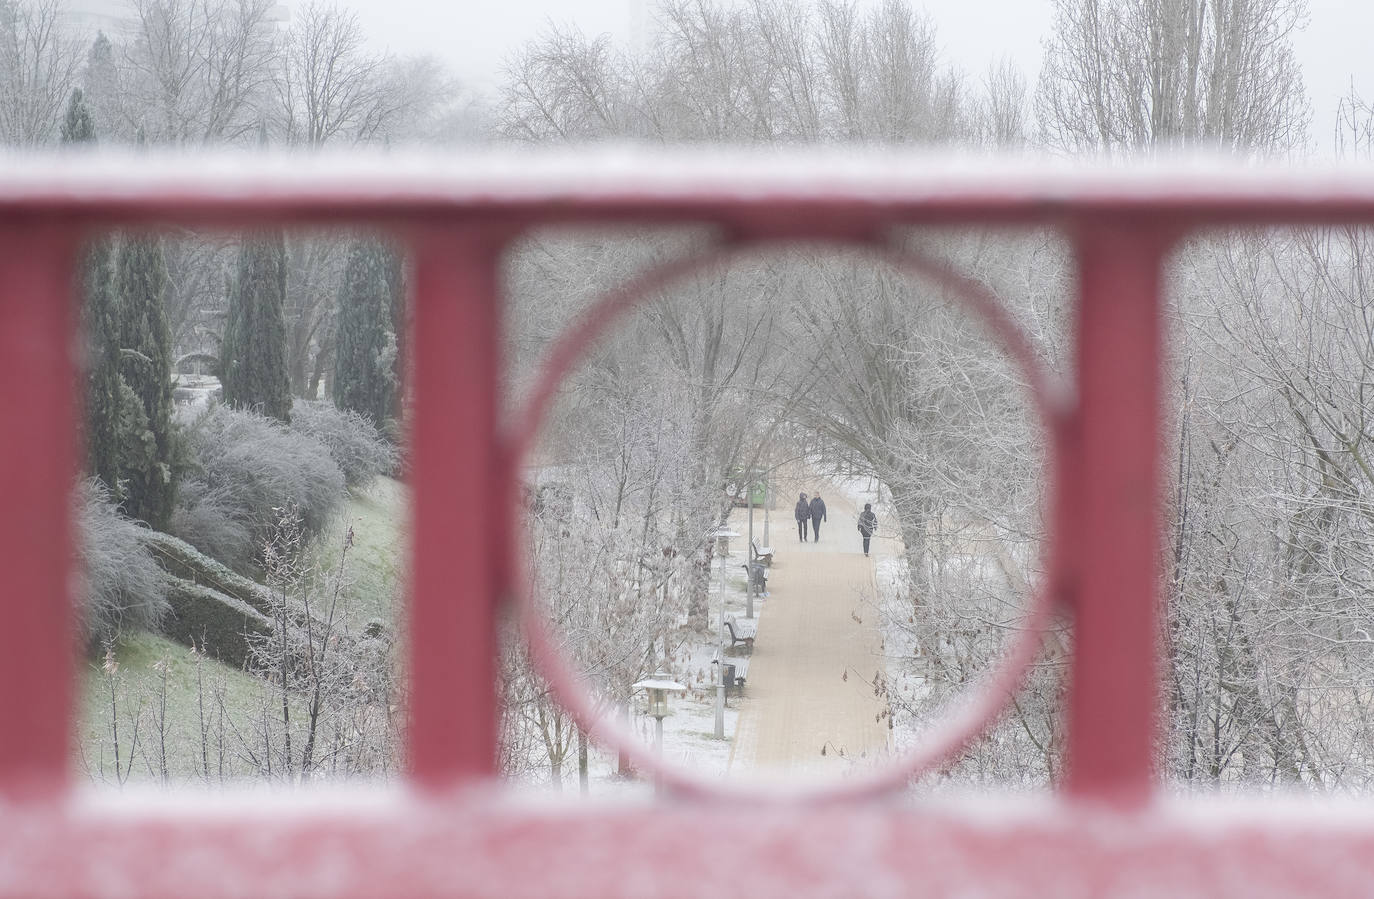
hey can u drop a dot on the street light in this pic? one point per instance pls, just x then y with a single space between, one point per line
659 685
722 535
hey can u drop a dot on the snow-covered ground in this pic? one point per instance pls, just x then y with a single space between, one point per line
192 393
689 740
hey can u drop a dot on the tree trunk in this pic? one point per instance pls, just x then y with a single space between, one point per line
582 761
913 520
622 762
322 361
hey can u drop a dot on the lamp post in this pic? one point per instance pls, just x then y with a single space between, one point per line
749 556
658 686
767 504
722 535
754 479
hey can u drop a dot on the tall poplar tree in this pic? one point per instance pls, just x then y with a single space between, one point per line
147 455
365 355
253 354
1138 76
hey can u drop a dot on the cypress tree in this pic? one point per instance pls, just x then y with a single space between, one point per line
102 84
147 456
253 351
400 326
365 353
103 396
100 318
78 127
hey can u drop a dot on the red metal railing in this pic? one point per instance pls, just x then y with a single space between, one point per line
452 832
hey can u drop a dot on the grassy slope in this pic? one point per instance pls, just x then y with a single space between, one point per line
377 562
374 577
193 684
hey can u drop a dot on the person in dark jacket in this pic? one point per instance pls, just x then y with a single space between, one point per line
803 514
868 523
817 516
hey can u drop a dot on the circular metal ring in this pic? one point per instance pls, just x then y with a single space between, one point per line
975 709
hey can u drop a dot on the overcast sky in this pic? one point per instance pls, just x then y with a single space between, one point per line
473 38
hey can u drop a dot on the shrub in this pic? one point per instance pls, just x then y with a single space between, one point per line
181 560
251 465
123 585
206 518
220 625
355 445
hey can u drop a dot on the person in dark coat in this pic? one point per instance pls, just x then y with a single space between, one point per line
803 514
817 516
868 523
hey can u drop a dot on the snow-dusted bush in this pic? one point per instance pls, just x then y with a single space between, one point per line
356 446
250 466
123 585
207 518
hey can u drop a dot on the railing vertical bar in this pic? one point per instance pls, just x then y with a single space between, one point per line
455 575
1113 710
38 459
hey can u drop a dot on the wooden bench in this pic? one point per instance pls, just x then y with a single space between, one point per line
761 554
741 632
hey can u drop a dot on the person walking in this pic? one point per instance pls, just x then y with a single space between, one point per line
817 516
803 514
868 523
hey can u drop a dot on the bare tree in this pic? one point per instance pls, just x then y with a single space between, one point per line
756 73
38 69
1271 518
1000 116
1141 75
197 71
331 89
563 87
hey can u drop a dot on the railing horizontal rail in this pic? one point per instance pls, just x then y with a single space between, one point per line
360 845
556 187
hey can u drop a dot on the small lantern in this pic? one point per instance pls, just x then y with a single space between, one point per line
723 535
658 687
658 702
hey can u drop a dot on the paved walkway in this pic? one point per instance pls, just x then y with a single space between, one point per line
817 650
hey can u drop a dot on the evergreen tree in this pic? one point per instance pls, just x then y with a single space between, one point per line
102 86
147 456
365 355
400 326
103 395
253 352
100 317
130 442
78 127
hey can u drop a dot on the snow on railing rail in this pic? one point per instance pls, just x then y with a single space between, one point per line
622 181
